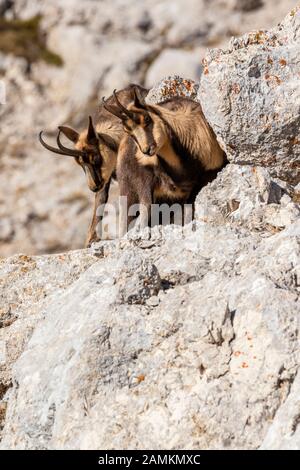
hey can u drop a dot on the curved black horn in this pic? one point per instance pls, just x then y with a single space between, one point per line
67 151
49 147
112 109
124 110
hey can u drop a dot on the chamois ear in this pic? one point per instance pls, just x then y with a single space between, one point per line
108 142
92 137
69 133
139 101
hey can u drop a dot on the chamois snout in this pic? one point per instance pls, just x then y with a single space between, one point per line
95 183
149 150
95 189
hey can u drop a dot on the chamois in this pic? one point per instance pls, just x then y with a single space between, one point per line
168 154
95 150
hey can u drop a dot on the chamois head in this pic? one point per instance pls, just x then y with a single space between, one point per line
89 151
141 121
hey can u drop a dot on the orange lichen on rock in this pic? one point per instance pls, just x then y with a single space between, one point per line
273 79
236 88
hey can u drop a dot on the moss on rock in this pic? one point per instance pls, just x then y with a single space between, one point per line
24 38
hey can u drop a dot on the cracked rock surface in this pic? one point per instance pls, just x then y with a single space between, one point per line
186 339
250 93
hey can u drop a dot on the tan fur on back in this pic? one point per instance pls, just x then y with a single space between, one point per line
112 128
188 121
170 156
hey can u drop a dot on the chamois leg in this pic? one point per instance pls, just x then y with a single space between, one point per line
145 201
101 198
143 219
124 218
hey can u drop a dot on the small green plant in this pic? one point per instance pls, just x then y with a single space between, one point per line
24 38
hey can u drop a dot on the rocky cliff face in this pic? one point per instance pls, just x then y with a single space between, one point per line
45 205
250 93
186 339
181 338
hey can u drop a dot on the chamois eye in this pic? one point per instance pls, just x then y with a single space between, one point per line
147 120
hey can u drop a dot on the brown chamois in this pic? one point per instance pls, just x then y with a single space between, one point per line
95 150
169 153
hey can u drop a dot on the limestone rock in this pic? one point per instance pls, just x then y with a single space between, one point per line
250 95
256 200
172 86
138 280
284 432
188 339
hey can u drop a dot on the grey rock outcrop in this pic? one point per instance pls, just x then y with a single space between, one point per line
255 201
250 93
284 433
170 87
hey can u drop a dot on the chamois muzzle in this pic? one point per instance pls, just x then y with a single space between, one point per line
95 189
150 150
95 183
